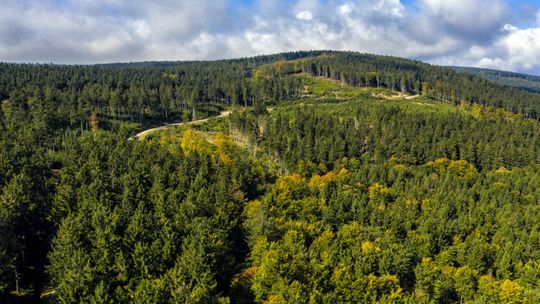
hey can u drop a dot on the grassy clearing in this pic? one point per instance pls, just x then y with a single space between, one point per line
319 87
340 99
319 91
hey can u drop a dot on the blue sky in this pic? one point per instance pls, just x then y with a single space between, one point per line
500 34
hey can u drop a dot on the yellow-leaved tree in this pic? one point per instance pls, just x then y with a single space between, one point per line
192 141
94 122
510 292
224 148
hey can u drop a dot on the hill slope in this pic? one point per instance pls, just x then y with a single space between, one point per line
530 83
338 177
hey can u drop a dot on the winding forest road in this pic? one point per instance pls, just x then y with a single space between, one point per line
143 134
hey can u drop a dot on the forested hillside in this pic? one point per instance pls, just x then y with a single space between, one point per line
338 178
525 82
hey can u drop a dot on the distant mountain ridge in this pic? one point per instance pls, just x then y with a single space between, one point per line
526 82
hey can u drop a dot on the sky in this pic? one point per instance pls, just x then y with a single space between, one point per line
499 34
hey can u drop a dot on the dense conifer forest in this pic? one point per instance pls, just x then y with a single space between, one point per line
339 177
524 82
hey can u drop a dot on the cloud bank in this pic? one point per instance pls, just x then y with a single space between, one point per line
480 33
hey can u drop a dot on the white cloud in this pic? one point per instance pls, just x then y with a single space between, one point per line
304 15
469 14
510 28
518 50
345 9
496 63
141 28
472 32
83 31
390 7
523 48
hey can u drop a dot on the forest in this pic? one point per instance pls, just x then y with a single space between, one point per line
524 82
339 177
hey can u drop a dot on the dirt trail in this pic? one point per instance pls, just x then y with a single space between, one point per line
395 96
145 133
412 96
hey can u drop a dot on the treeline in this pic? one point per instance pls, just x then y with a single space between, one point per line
530 83
415 77
324 134
154 92
138 94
